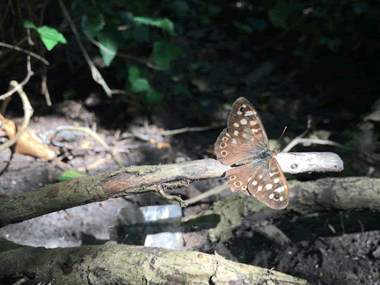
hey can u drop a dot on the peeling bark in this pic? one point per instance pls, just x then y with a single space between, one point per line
123 264
129 181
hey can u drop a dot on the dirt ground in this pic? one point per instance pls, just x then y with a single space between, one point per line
317 254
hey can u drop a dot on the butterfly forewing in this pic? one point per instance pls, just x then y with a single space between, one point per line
231 150
244 123
245 143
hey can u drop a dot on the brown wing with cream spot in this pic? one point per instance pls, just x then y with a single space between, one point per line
268 184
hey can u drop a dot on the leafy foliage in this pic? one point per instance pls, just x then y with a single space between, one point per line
120 28
49 36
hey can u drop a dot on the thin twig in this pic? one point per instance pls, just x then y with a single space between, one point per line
25 51
94 71
28 112
190 129
45 89
311 141
19 86
172 132
95 136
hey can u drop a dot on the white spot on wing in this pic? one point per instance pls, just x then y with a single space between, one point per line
234 141
243 121
236 125
281 198
271 196
259 188
254 183
269 186
279 189
239 113
271 174
236 133
276 180
248 113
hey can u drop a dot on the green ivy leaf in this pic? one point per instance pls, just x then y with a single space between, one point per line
29 24
243 27
49 36
164 24
164 52
283 14
153 96
138 84
69 174
92 22
108 48
95 19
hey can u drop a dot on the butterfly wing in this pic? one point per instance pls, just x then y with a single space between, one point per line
244 137
244 123
231 150
268 184
245 144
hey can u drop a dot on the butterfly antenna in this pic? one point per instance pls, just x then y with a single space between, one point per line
283 132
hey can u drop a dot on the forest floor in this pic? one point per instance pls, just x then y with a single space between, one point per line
330 248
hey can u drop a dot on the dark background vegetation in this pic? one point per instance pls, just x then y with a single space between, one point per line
182 63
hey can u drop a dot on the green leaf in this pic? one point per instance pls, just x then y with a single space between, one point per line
69 174
140 85
164 52
243 27
283 14
29 24
258 24
153 96
108 46
92 22
49 36
164 24
137 83
95 19
360 8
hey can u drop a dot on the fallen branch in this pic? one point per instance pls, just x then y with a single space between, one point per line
123 264
123 182
323 195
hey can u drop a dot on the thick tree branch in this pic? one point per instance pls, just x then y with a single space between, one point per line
123 264
129 181
323 195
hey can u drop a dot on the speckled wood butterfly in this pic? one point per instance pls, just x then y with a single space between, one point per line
244 143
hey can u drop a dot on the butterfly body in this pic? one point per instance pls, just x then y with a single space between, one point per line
244 144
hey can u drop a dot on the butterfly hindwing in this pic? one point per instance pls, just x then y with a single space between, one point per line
268 184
